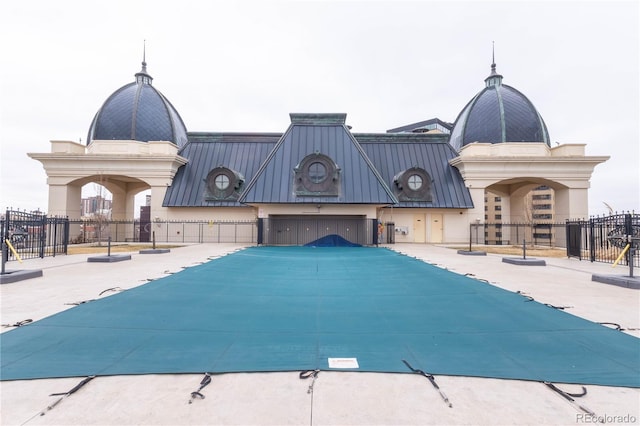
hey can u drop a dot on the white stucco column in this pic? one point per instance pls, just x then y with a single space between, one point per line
158 213
123 205
119 205
517 206
571 203
477 212
65 200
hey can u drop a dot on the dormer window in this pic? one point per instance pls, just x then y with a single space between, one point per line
317 172
223 184
317 175
413 184
221 181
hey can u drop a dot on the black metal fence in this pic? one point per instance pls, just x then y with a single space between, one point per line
603 239
33 235
98 230
599 239
537 234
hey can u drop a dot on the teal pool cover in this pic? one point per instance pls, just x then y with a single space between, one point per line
293 308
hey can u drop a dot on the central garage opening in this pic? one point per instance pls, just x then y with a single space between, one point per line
292 230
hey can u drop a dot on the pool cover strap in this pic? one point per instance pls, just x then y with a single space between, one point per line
432 380
19 323
203 383
568 396
66 394
310 373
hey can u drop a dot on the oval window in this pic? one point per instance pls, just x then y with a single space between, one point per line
222 182
414 182
317 172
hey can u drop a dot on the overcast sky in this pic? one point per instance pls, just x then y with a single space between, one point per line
244 66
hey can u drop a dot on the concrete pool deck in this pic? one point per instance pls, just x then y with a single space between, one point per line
338 398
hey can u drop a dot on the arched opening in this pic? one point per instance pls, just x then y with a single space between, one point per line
526 201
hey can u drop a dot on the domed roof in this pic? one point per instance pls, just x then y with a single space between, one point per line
499 113
138 111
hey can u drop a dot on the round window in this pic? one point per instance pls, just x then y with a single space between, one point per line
222 182
414 182
317 172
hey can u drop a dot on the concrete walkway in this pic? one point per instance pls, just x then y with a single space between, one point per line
338 398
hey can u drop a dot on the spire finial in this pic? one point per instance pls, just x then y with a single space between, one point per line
143 76
493 57
494 78
144 56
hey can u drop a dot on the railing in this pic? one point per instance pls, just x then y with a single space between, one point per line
537 234
96 231
33 235
603 239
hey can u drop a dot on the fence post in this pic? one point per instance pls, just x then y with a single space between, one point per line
592 242
67 231
5 255
260 227
42 236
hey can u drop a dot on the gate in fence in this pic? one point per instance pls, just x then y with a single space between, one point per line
603 239
33 235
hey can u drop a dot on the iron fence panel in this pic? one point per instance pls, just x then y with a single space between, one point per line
33 235
603 239
175 232
537 234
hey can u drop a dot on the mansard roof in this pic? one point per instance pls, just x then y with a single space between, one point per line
242 152
393 153
366 162
327 135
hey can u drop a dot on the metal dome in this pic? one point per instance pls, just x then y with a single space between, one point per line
138 111
499 113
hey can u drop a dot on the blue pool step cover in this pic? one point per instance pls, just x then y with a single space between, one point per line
293 308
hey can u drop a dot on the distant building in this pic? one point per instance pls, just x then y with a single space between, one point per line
433 125
539 213
92 206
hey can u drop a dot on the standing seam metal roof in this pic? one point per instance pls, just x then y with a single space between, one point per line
368 163
242 152
394 153
360 182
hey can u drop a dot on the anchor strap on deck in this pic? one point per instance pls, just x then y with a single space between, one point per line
19 323
562 308
531 299
82 302
569 397
67 394
110 289
203 383
313 374
432 380
615 325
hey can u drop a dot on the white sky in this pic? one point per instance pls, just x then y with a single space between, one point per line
244 66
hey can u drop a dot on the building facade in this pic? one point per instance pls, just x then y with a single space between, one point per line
318 178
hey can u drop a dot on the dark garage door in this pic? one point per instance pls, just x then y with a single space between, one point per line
301 230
